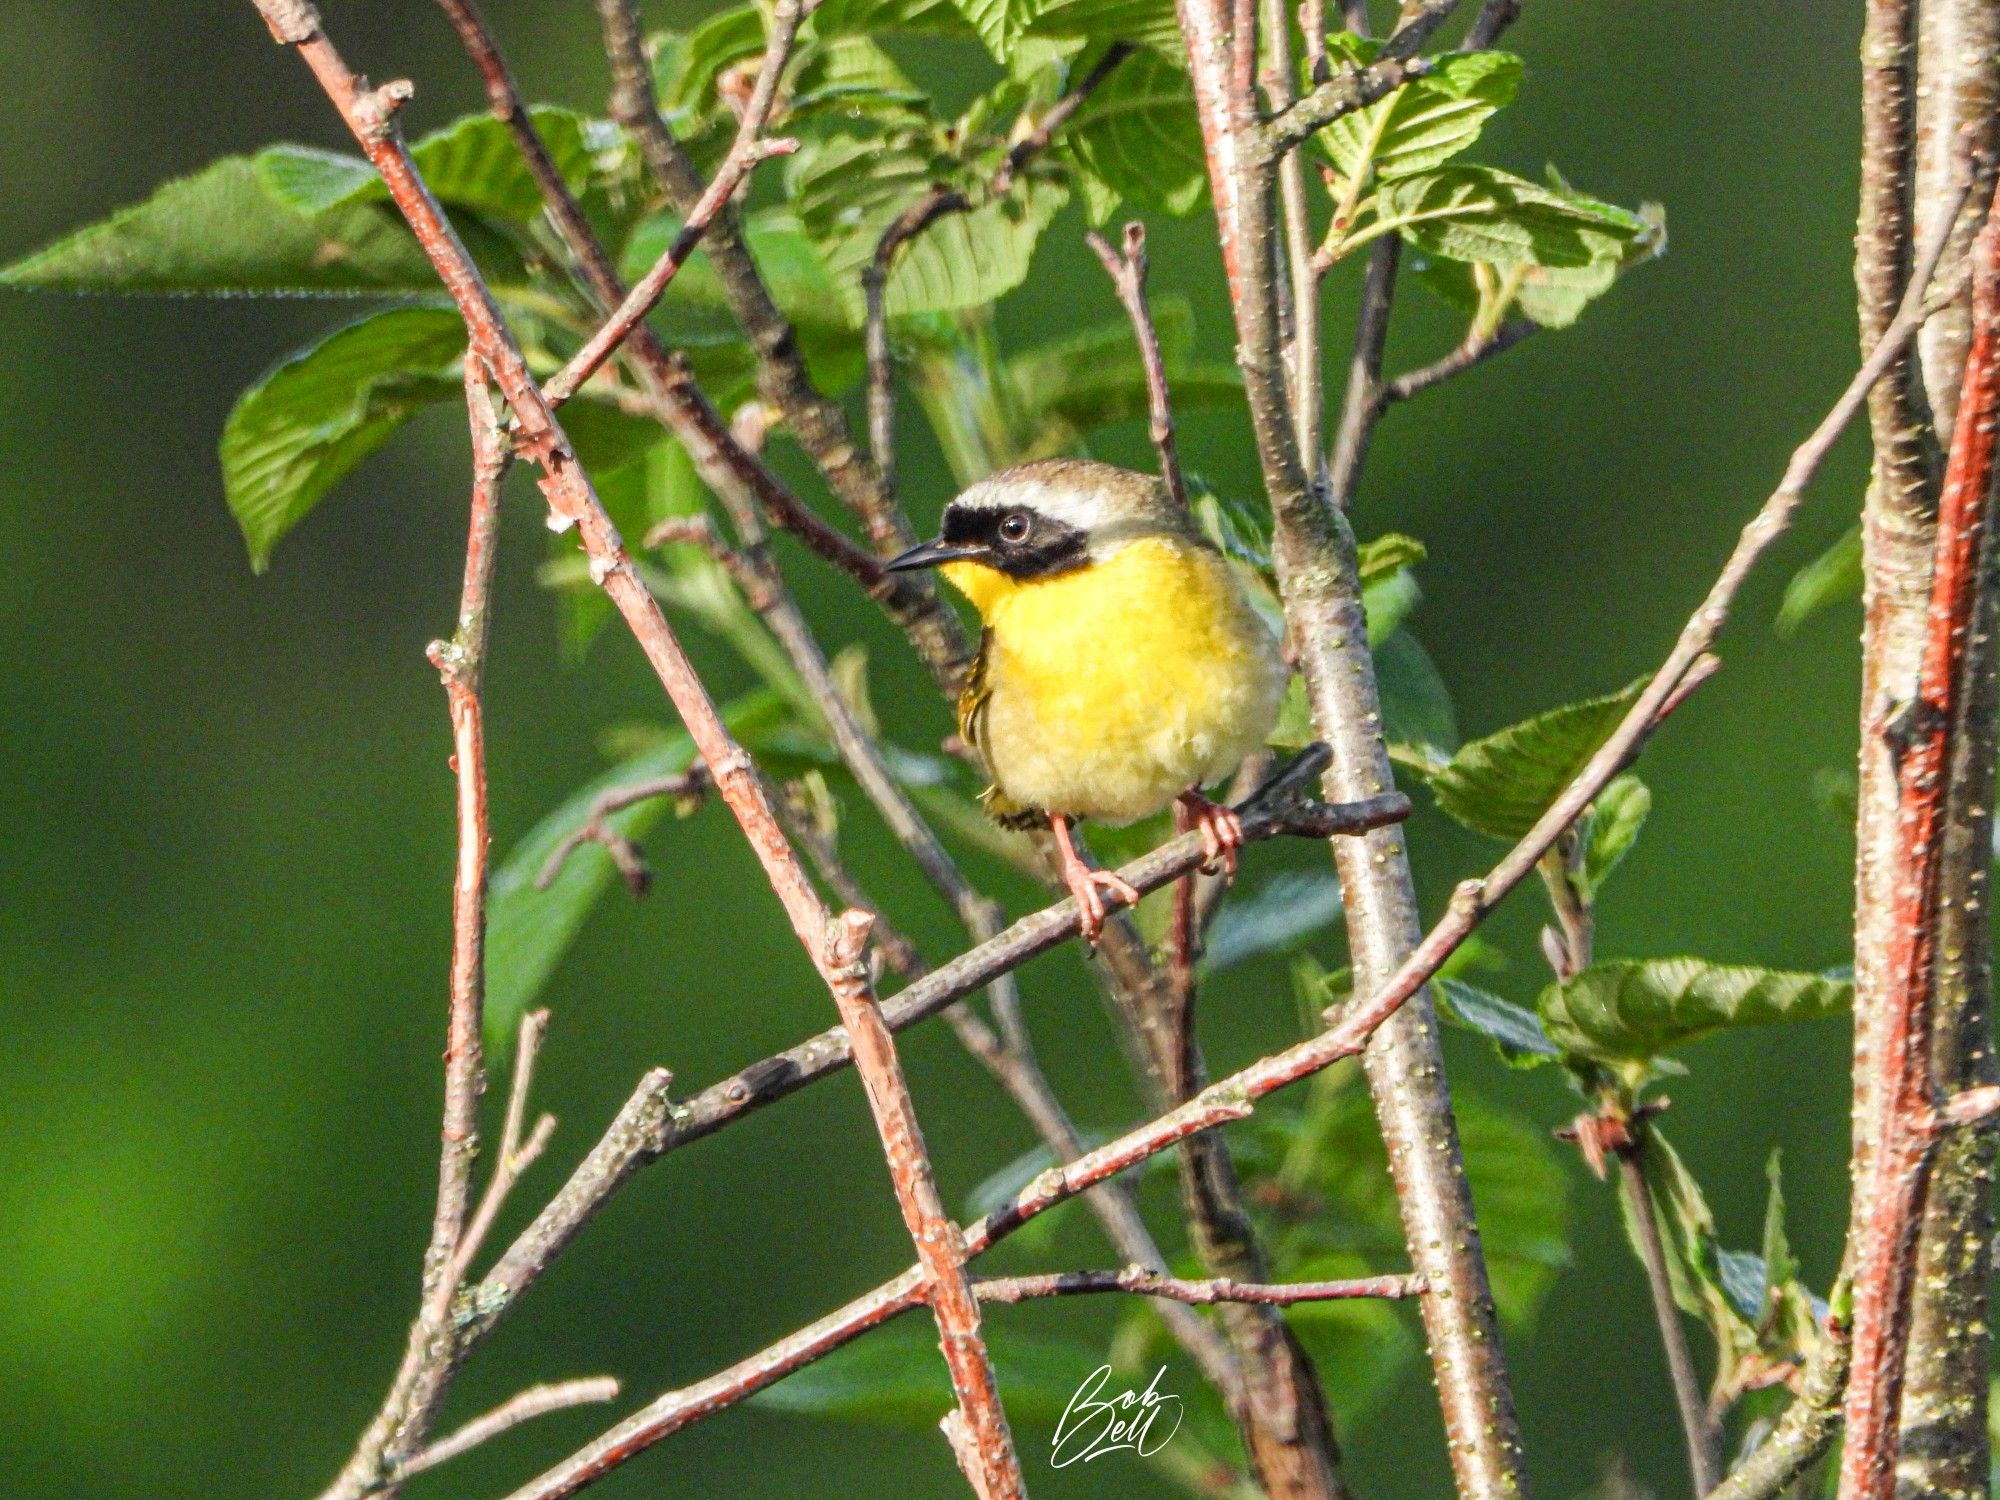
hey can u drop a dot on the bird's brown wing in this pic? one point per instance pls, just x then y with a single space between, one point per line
973 699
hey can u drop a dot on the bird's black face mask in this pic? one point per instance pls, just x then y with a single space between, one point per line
1017 541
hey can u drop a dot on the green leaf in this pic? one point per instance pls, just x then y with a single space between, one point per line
1513 1029
1615 820
847 191
1424 123
873 18
897 1377
1388 554
1144 23
295 433
1626 1012
850 77
1698 1268
1502 784
1481 214
1417 714
1137 133
527 930
225 230
473 163
1833 577
1780 1265
1275 918
686 75
695 309
1074 385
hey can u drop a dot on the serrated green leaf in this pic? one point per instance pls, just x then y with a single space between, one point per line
848 190
1287 909
1480 214
527 930
1615 820
1627 1012
897 1377
1513 1029
1424 123
472 163
1834 577
224 230
296 432
849 77
1502 784
1137 133
1143 23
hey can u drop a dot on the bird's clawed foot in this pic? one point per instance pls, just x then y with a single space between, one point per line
1087 885
1220 828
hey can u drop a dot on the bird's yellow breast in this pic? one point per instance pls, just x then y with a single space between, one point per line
1111 688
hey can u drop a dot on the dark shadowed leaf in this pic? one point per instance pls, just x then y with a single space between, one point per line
1416 705
1501 784
1138 134
1627 1012
1275 918
1834 577
295 433
1513 1029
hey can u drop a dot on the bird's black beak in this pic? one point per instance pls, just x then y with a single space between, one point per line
929 555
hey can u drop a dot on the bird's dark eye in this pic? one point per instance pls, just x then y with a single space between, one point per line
1014 526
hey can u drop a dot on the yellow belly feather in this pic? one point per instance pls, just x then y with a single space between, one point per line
1115 687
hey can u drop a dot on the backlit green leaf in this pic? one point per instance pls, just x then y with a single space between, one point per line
1502 784
472 163
1615 820
1834 577
1416 705
295 433
1424 123
1144 23
1473 213
1626 1012
848 190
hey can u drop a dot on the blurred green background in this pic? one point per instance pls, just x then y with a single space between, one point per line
227 813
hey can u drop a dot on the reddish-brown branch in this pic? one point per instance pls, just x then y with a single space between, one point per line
1204 1292
536 1401
1127 270
986 1451
1906 1121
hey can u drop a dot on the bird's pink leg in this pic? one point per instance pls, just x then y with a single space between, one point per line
1221 830
1086 884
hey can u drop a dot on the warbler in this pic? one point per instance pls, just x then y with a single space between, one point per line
1121 668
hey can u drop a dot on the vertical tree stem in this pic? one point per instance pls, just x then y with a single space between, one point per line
1704 1463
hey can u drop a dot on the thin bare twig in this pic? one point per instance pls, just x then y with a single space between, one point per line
1890 1199
596 827
1127 269
749 150
1475 350
987 1451
1195 1293
536 1401
519 1149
